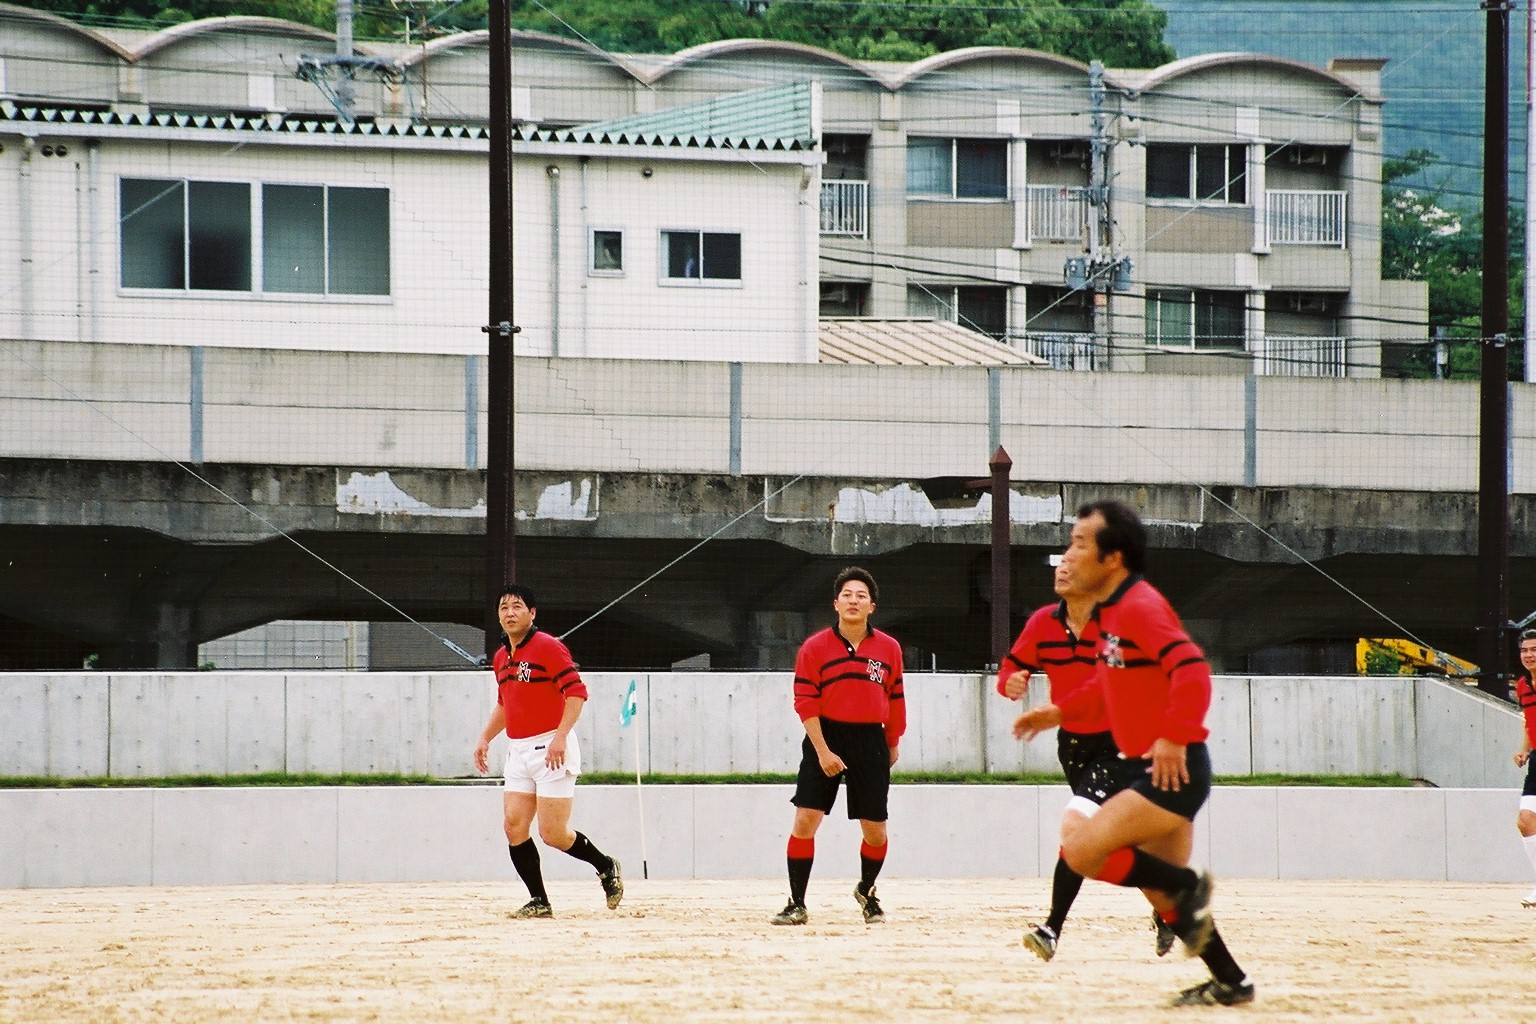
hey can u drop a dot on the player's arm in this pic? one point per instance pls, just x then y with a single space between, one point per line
493 727
1035 721
554 754
830 762
896 702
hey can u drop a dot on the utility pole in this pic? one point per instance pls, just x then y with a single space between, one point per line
500 487
346 94
1493 390
1102 271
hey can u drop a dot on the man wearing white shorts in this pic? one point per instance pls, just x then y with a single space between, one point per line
539 697
1525 696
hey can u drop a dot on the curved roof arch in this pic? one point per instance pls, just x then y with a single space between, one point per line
482 37
973 54
705 51
234 23
1205 62
64 24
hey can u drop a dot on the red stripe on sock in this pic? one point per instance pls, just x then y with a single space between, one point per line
802 849
873 852
1116 866
1168 916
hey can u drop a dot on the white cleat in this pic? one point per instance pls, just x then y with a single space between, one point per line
1529 899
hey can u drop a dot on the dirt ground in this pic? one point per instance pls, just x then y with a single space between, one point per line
703 951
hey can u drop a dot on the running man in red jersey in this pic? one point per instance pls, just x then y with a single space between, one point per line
1155 685
1061 640
848 694
1525 696
539 696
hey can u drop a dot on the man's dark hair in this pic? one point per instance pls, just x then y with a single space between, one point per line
525 594
1122 531
1527 634
853 572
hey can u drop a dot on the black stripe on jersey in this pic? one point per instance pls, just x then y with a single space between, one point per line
1010 657
1176 643
1140 662
1187 661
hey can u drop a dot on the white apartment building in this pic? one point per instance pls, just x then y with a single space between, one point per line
1215 215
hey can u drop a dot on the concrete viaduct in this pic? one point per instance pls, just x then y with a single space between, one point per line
156 497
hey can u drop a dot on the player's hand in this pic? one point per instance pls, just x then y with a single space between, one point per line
831 764
1016 685
1521 757
482 751
894 755
1170 769
1035 721
554 754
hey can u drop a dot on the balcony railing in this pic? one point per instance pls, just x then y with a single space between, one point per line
1056 213
1063 350
845 208
1275 356
1305 218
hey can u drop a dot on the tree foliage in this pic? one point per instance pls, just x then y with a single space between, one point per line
1427 237
1121 33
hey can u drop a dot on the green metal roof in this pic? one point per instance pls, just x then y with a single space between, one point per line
782 117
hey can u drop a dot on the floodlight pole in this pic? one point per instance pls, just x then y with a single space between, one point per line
1493 389
500 487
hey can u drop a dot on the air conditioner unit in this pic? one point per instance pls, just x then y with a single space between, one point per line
1314 156
1307 304
1068 152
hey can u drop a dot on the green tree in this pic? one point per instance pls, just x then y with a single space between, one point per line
1427 237
1122 33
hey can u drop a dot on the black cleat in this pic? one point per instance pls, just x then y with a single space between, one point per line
1193 923
1216 993
869 904
1041 942
1165 937
613 883
793 913
534 908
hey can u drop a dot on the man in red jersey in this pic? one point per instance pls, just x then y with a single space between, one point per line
1155 685
539 696
848 694
1525 696
1061 640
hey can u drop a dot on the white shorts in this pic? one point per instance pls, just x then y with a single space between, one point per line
526 772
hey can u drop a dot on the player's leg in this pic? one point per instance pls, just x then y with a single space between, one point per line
519 805
1525 823
556 798
1084 759
868 758
813 798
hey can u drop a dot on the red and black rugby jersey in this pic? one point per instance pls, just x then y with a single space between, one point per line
1047 644
533 682
1155 681
1525 696
837 681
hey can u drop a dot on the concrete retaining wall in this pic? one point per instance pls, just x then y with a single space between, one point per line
222 836
145 725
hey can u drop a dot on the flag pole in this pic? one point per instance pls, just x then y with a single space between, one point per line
645 866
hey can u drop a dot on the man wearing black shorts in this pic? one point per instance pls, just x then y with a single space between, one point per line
1061 640
1156 687
848 694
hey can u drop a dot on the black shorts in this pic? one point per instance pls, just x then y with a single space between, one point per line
1190 797
1530 777
862 748
1078 752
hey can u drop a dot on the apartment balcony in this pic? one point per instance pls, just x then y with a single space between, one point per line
845 208
1064 351
1295 217
1276 356
1056 213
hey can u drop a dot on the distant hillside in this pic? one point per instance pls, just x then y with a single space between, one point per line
1433 83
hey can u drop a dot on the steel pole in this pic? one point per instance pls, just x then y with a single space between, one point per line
1002 584
500 488
1493 392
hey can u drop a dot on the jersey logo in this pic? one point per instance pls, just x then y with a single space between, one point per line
524 672
1111 652
876 673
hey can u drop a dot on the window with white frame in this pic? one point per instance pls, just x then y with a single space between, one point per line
700 256
1215 173
188 235
957 168
1196 319
979 308
607 253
